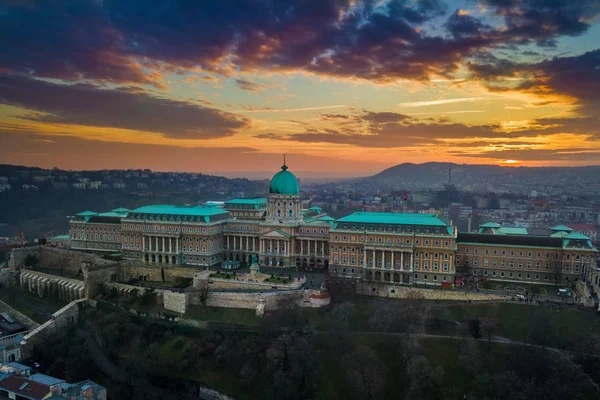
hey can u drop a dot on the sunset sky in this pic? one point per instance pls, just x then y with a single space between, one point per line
343 87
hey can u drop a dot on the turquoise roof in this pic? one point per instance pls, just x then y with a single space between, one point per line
393 218
284 182
87 213
112 214
61 237
121 210
577 236
559 234
256 201
506 230
490 225
561 228
196 211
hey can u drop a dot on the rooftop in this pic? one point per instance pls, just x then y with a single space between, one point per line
46 379
24 387
561 228
198 211
258 200
393 218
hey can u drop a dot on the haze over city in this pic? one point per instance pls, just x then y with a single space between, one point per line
345 88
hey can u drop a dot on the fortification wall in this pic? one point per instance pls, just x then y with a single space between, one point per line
175 301
402 292
22 318
272 301
56 258
133 270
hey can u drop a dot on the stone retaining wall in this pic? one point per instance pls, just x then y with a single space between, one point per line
56 258
271 301
133 270
403 292
22 318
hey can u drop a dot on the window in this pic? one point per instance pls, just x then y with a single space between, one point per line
435 277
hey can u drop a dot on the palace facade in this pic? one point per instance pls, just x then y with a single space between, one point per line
372 246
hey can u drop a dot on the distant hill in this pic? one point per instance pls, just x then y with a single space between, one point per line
435 174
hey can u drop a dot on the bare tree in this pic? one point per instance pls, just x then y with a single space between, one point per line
364 371
470 357
490 326
202 289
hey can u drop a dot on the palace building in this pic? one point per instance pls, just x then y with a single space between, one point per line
391 248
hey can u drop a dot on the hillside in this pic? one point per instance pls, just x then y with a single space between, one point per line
435 174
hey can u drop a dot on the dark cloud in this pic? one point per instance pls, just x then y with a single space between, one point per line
85 104
545 19
461 25
114 40
249 86
386 129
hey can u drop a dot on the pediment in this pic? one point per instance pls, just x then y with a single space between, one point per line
276 234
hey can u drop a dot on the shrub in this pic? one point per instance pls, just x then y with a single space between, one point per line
488 285
475 327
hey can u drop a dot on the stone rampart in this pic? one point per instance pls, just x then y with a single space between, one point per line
56 258
68 315
272 301
22 318
134 270
404 292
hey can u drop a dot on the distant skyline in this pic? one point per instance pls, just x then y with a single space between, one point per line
344 88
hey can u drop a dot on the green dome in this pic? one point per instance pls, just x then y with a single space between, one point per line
284 182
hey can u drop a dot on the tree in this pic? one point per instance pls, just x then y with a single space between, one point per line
202 288
149 296
557 275
474 325
292 367
424 380
490 326
469 357
162 273
364 371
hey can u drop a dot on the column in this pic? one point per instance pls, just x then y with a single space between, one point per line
228 247
163 245
261 245
383 259
177 245
157 243
401 260
285 248
393 266
170 245
150 243
323 249
374 262
278 250
364 257
411 262
143 243
247 243
301 246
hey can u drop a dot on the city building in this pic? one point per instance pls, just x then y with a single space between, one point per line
100 232
388 247
276 228
510 254
393 248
